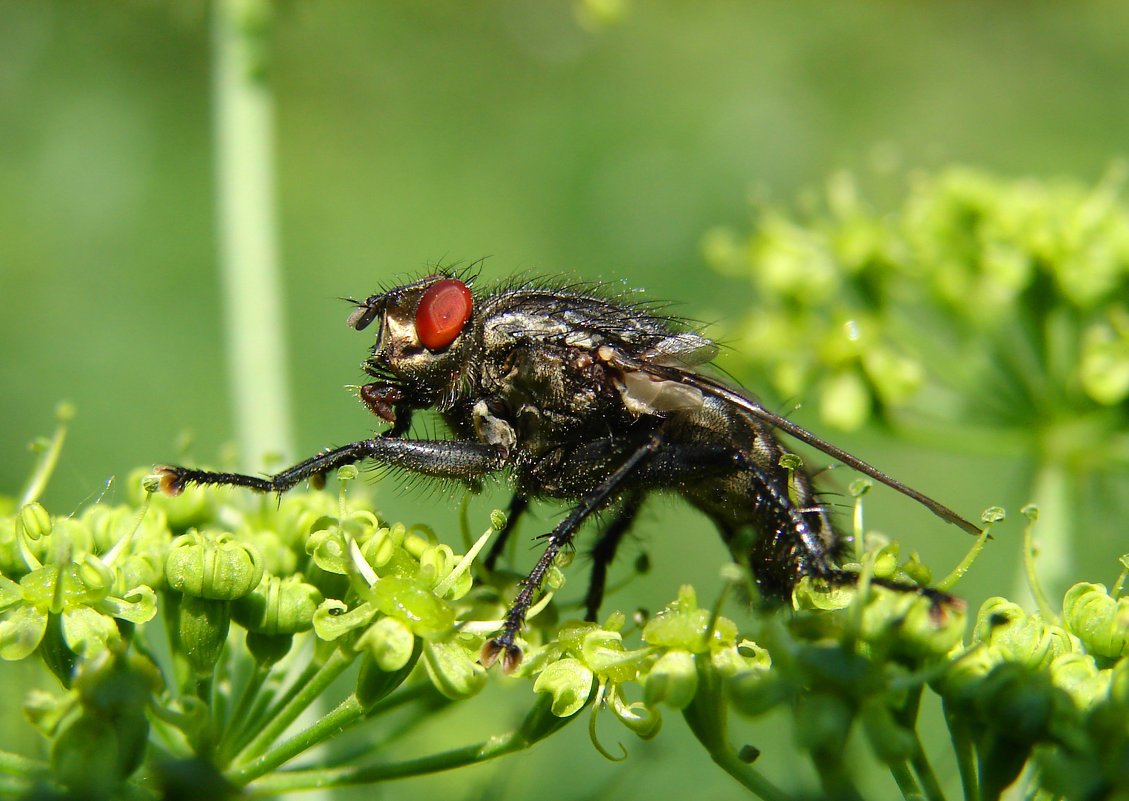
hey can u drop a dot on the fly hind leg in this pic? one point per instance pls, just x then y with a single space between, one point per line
603 551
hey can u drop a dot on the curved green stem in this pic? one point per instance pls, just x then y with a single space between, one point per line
706 717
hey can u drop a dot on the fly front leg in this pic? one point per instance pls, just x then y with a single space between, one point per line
466 460
504 644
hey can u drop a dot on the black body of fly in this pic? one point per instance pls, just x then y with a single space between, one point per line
587 399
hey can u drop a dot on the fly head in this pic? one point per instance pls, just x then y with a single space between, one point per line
426 338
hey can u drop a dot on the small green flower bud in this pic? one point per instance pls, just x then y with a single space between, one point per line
756 692
569 682
434 564
497 519
328 547
34 521
1015 706
672 680
809 594
917 570
822 721
268 649
682 624
390 643
379 549
418 540
554 577
374 682
1098 620
1104 365
1016 700
892 742
845 401
886 560
453 669
911 625
278 606
616 621
996 613
1079 675
90 756
211 566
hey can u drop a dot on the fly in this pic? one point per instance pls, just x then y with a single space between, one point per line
588 399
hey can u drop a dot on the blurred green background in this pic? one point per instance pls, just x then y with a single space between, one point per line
410 133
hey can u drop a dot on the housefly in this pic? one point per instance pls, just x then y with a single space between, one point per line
589 399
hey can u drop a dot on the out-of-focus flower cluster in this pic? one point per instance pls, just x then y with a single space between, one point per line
980 298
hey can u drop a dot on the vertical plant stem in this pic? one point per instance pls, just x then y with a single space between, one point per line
248 252
965 752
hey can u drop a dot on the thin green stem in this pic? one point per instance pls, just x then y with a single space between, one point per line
903 776
1032 571
347 714
962 567
303 698
965 750
48 456
538 724
919 760
268 708
834 776
243 111
290 781
930 787
240 715
16 765
1053 558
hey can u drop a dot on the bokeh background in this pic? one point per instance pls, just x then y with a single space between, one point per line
525 132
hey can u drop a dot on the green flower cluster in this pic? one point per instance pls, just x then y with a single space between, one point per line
980 298
132 607
1054 687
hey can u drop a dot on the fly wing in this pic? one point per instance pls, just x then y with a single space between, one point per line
668 374
645 392
681 350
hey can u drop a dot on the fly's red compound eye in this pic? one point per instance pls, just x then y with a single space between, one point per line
443 311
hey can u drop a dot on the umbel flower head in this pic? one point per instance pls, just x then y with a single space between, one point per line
77 581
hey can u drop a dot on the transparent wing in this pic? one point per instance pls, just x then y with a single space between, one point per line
665 373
